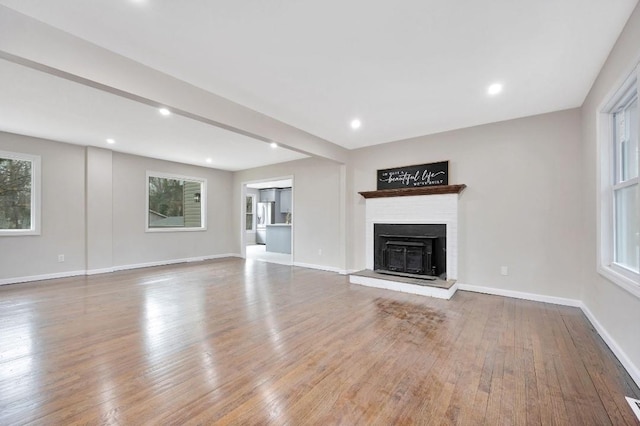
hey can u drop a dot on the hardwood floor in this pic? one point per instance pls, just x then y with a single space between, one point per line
235 342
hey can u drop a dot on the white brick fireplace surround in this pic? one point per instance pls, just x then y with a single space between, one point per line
427 208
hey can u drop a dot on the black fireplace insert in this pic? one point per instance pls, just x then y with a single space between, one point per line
414 250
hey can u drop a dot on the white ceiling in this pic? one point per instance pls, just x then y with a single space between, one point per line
37 104
405 68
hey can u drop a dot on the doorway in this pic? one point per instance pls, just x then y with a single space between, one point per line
268 220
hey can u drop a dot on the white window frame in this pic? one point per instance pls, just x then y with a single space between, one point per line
35 194
203 203
624 277
252 212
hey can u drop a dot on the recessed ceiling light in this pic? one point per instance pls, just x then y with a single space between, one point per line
273 145
111 141
209 160
494 89
164 111
355 124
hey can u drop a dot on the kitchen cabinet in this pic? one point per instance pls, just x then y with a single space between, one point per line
285 200
268 195
279 238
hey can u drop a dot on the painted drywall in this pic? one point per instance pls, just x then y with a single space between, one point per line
318 233
617 311
133 246
99 209
93 212
63 214
521 207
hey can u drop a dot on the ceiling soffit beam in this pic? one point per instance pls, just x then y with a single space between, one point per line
31 43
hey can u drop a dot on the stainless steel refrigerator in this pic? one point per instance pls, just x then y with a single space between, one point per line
265 215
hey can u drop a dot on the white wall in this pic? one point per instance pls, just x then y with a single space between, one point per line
521 207
133 246
93 212
617 311
99 209
63 214
318 209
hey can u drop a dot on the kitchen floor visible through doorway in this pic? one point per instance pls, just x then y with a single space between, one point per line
258 252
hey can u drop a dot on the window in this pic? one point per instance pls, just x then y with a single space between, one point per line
620 192
175 203
625 185
249 213
19 194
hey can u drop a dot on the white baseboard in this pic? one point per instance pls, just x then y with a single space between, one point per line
171 261
520 295
320 267
635 406
632 369
17 280
98 271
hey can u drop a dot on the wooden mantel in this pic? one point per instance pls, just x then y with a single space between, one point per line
422 190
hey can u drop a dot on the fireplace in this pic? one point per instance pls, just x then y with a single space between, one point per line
412 250
413 206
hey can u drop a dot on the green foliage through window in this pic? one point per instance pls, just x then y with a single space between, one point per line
175 202
15 193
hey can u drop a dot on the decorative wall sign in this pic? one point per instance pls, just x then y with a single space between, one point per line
432 174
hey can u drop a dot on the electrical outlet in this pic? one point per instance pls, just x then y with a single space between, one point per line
319 252
61 258
504 270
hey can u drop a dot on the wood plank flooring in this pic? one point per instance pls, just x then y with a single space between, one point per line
247 342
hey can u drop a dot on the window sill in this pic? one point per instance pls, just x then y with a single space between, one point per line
621 280
18 233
